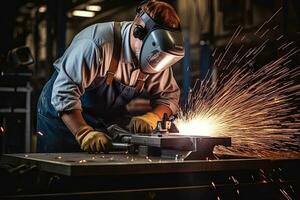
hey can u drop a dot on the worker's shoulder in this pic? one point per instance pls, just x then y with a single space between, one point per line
99 33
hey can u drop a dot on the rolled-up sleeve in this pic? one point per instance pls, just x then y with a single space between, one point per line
163 90
77 69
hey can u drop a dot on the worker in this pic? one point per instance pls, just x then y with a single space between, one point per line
102 70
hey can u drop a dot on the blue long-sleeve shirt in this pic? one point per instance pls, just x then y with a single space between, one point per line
87 60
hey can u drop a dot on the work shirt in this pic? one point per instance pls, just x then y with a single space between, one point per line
87 59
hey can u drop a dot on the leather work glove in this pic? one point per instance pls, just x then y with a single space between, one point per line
91 140
144 123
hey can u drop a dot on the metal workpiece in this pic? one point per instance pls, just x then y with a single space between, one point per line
84 164
180 142
174 145
166 142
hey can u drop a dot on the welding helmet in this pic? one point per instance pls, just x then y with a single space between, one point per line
162 46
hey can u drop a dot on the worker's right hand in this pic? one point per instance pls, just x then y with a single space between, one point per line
91 140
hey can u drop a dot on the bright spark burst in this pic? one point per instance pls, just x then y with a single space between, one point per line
258 106
40 133
198 126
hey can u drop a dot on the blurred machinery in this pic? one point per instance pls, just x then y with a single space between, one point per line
15 95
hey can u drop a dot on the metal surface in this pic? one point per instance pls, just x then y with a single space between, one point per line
122 176
83 164
179 142
116 146
178 146
166 143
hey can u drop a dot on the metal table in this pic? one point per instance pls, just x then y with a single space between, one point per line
84 164
126 176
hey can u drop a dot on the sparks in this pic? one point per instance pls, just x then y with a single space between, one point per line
40 133
256 105
198 126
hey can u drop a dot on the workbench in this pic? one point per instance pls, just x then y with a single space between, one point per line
121 175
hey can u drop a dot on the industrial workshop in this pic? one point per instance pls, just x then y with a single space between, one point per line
150 99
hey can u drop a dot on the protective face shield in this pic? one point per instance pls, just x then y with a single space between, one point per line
162 47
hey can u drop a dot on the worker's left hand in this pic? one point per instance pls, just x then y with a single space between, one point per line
144 123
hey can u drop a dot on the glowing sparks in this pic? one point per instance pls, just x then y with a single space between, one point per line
257 105
40 133
198 126
1 129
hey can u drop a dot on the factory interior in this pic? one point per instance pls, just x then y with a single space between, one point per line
184 99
